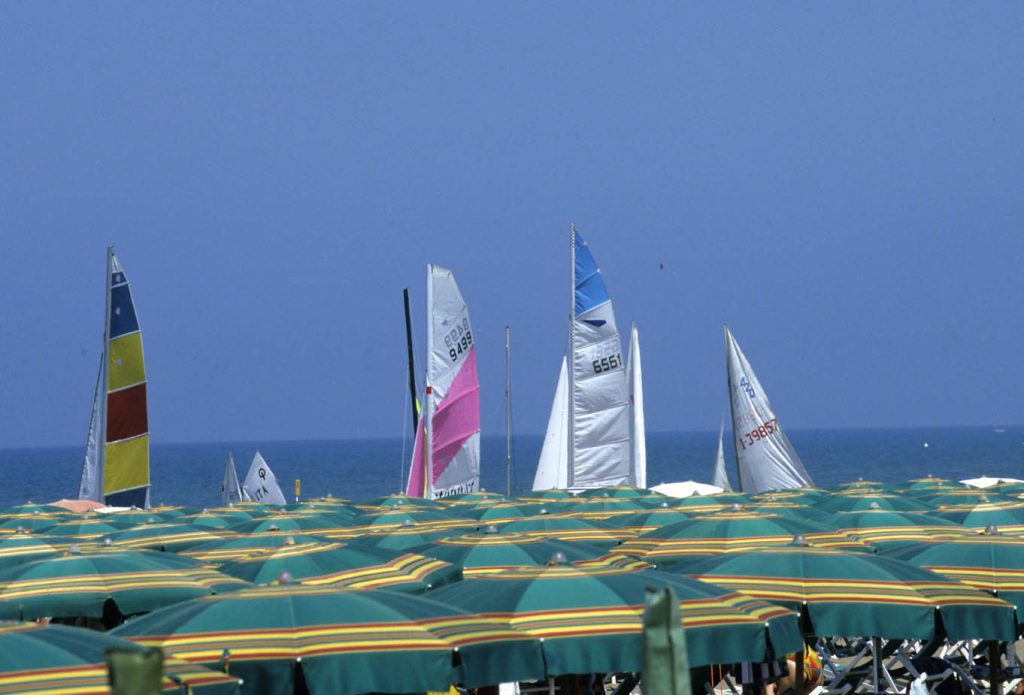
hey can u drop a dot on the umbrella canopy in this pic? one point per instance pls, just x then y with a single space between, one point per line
32 508
23 547
569 529
238 547
171 536
293 523
86 528
729 531
616 491
17 523
476 497
858 593
992 563
334 564
402 501
874 500
81 584
886 528
493 552
545 495
59 659
590 619
347 641
647 520
1007 516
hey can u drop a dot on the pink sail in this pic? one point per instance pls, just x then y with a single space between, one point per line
455 421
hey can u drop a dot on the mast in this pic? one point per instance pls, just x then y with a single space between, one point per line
572 352
508 414
102 434
428 429
732 406
412 365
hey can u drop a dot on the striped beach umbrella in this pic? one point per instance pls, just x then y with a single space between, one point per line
884 528
493 552
730 531
333 564
23 547
616 491
169 537
218 552
1007 516
82 584
859 593
873 500
343 641
58 659
569 529
591 619
990 562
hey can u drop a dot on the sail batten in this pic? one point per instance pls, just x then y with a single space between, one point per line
446 453
765 458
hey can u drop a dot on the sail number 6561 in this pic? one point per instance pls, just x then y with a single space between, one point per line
606 364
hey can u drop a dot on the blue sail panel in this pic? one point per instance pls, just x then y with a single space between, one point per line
590 289
122 312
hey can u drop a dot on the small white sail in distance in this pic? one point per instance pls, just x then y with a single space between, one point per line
553 467
230 490
765 457
720 477
638 430
261 484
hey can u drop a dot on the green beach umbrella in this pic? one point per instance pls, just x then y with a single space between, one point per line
134 517
1007 516
170 537
213 520
730 531
616 491
858 593
20 523
591 619
874 500
545 495
334 564
493 512
344 641
292 523
969 498
991 562
569 529
401 501
647 520
59 659
884 528
480 496
401 538
86 528
23 547
494 552
225 550
80 584
31 508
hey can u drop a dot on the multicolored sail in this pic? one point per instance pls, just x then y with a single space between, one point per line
446 454
118 472
764 456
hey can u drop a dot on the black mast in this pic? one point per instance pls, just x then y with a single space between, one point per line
412 368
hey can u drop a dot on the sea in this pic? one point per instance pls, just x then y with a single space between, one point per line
358 469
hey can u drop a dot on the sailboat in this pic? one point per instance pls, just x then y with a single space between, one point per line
765 458
230 490
446 451
588 442
720 477
115 470
261 484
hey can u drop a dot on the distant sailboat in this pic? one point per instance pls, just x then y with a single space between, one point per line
446 451
230 490
261 484
588 441
720 478
115 469
764 456
637 430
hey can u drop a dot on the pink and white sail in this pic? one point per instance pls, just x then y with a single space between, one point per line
446 454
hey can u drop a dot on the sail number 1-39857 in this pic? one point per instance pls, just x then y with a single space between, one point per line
758 433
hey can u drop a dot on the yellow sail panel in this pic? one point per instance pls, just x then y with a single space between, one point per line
125 365
127 464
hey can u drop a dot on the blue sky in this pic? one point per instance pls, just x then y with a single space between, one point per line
840 183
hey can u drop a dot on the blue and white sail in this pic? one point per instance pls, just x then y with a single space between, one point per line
598 449
765 457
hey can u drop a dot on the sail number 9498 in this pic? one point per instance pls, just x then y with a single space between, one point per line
758 433
458 339
607 364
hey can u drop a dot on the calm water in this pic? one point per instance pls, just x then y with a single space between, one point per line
190 474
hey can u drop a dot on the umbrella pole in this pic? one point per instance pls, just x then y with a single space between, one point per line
994 662
876 663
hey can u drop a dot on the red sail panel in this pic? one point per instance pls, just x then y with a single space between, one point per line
126 413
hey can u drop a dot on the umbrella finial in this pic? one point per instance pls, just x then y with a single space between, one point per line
737 507
285 578
290 540
983 499
542 510
664 505
490 528
107 541
800 540
874 505
991 530
35 512
558 558
408 522
74 549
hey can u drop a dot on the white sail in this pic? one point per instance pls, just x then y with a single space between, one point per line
764 456
638 431
553 467
720 478
230 490
599 443
89 486
451 464
261 484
